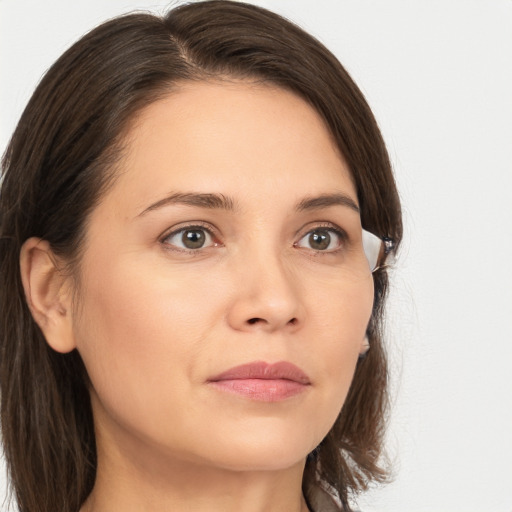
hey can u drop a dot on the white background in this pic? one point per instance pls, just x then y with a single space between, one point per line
438 74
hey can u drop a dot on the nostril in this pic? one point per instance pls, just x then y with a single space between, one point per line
255 320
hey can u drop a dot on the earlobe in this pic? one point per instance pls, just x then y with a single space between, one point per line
365 346
48 293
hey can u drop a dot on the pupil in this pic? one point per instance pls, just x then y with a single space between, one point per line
320 240
193 238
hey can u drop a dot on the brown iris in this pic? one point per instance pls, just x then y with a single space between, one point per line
193 238
319 240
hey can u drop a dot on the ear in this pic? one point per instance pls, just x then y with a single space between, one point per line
48 293
365 346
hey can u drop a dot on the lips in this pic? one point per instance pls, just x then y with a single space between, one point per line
262 381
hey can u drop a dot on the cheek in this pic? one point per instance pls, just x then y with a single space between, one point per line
141 328
342 313
139 335
339 316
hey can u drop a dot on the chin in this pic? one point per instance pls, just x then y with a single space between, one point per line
262 449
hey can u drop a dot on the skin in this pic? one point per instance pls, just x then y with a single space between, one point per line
154 322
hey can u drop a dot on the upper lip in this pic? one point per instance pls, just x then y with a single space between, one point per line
262 370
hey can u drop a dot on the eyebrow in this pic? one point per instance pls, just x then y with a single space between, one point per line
326 200
210 201
222 202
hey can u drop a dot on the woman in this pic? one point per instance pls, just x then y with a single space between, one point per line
195 216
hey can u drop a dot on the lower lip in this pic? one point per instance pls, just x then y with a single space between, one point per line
263 390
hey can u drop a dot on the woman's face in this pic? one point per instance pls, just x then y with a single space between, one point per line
230 241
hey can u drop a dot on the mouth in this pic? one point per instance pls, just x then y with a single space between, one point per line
262 382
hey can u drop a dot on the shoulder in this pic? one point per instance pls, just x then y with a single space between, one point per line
321 501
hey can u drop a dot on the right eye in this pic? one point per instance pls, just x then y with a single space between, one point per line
190 238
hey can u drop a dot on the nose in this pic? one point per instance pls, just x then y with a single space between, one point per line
267 297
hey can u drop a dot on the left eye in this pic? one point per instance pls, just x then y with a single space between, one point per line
321 239
190 238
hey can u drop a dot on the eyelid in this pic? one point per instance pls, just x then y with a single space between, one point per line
322 224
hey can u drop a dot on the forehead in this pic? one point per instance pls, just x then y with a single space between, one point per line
235 138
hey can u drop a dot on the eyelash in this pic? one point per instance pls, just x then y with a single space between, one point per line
327 227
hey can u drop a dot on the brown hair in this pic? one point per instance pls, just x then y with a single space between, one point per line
61 159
